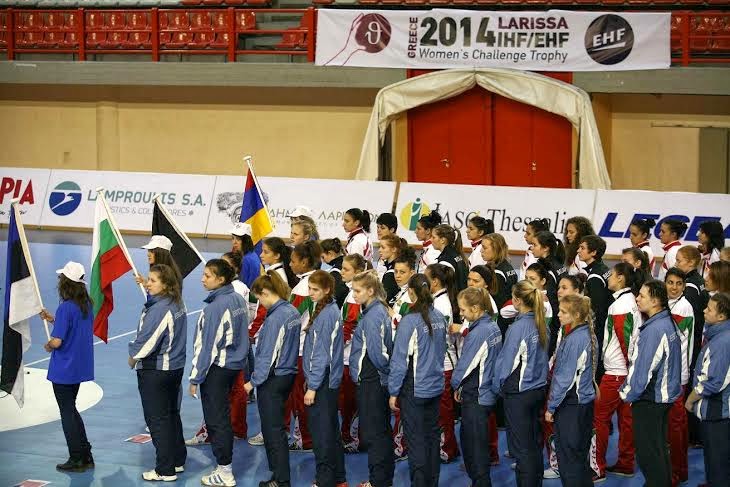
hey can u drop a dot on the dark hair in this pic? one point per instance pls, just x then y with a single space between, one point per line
169 278
236 259
445 275
658 290
489 276
641 256
595 243
223 269
408 257
309 251
540 270
645 225
362 216
430 221
719 273
486 226
69 290
278 246
634 278
397 243
583 227
714 231
389 220
246 243
722 301
539 225
424 300
676 273
162 256
453 238
677 227
272 282
555 246
323 280
331 245
578 282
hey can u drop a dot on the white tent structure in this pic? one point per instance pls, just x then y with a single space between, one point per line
530 88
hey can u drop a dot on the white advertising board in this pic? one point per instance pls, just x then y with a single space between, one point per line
28 185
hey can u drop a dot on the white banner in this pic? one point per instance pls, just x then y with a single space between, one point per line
553 40
29 185
510 208
615 210
328 199
72 196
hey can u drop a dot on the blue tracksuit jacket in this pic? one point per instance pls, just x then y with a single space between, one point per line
478 357
573 373
161 336
522 364
277 346
372 339
324 349
712 373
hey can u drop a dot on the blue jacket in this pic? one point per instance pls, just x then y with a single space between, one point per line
418 358
324 349
712 372
474 371
162 335
250 268
277 346
656 362
573 373
373 341
522 364
221 336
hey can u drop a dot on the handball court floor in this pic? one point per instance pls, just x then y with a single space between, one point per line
31 452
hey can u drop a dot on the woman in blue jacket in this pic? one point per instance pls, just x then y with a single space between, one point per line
710 396
158 355
416 380
220 353
323 364
372 345
472 381
573 390
242 243
277 351
521 376
72 361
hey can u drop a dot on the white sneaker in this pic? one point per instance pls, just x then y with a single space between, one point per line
550 473
219 478
257 440
154 476
513 466
198 440
180 469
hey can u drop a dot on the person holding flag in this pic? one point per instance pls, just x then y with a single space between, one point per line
242 243
72 361
254 211
159 253
179 247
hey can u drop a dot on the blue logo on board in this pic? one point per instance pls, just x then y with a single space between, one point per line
65 198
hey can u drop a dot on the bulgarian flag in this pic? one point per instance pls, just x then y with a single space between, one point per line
108 263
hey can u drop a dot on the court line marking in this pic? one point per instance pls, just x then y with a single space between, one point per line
109 340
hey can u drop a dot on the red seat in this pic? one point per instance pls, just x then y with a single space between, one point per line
30 39
114 40
259 2
138 21
95 39
138 40
94 21
201 40
676 33
291 40
116 21
54 21
220 41
3 30
700 26
176 24
723 44
30 21
245 20
70 40
200 21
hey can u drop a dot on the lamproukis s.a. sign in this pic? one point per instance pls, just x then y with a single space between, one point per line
553 40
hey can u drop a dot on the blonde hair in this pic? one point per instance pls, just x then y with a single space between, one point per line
691 253
580 306
308 227
370 280
477 297
532 297
499 246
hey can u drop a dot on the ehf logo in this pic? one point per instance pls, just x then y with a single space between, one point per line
412 212
65 198
609 39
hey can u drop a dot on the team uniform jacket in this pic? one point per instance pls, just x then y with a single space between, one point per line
474 373
350 317
656 364
707 260
388 280
507 276
694 291
372 345
358 242
670 258
684 316
303 303
712 374
428 256
259 314
645 247
620 332
577 267
449 256
341 288
475 258
161 335
220 337
278 346
509 311
443 305
418 353
323 352
597 290
527 262
556 270
572 381
522 364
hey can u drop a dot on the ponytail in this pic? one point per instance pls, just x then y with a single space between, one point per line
362 216
677 227
325 281
633 278
580 306
532 297
477 297
453 238
272 282
547 239
446 276
489 276
424 300
309 251
371 280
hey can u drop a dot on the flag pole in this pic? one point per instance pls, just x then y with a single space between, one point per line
177 229
118 235
26 253
248 160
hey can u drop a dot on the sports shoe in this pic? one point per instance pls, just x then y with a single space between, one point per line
597 479
351 448
507 454
257 440
180 469
365 484
89 460
550 473
342 484
621 472
219 478
198 440
152 475
296 448
513 466
72 465
269 483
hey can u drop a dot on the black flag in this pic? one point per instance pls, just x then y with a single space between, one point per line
185 254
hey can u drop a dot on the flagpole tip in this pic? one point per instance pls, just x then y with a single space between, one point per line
100 189
14 201
248 159
156 197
